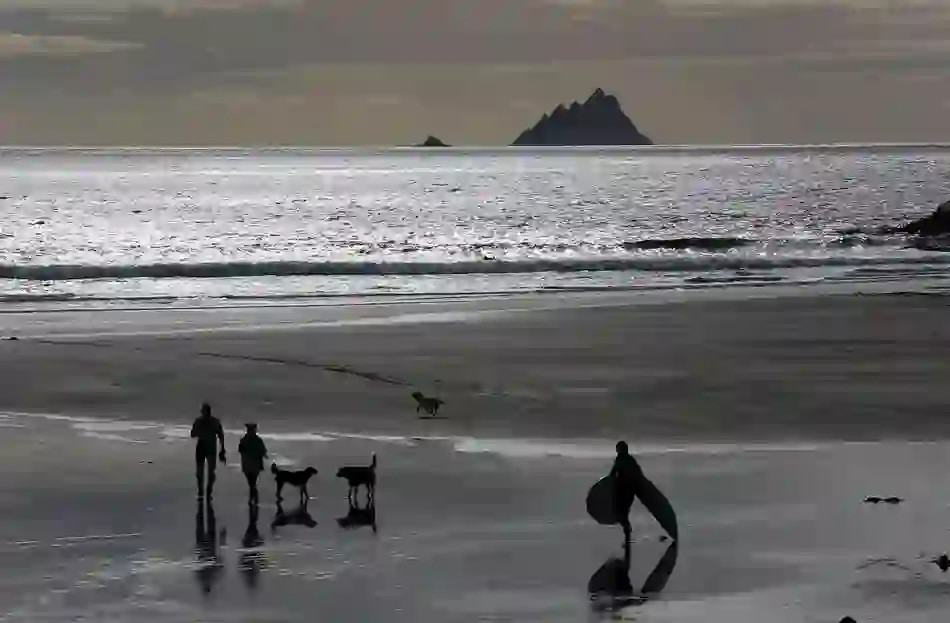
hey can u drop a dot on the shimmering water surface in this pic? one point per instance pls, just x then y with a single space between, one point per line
199 225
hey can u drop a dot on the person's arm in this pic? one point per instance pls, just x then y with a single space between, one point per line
194 429
615 470
220 433
263 449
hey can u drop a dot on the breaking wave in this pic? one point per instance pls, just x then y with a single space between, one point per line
684 244
61 272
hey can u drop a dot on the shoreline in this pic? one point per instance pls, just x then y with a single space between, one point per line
710 368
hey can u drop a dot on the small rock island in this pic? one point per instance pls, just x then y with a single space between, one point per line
431 141
598 121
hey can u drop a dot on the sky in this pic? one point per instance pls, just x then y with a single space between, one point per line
473 72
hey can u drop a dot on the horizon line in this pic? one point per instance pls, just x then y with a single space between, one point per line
654 147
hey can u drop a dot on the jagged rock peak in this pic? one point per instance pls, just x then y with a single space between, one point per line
600 120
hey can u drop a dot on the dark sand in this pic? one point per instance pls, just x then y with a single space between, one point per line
739 410
836 367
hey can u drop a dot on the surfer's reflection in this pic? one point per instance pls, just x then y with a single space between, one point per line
209 567
251 560
610 588
358 516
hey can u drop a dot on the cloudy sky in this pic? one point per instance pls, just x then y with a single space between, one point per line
358 72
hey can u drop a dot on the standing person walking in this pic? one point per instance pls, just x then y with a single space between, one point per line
207 430
253 452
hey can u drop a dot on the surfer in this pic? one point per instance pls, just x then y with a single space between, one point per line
626 474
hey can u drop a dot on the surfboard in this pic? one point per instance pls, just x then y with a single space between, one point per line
659 506
600 504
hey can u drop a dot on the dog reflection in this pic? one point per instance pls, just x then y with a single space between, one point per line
359 516
611 590
210 566
251 560
297 517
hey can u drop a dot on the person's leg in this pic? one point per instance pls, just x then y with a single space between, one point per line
212 465
627 530
252 486
200 472
249 477
625 503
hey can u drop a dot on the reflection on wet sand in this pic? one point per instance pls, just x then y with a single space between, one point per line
252 561
297 517
611 590
359 516
210 567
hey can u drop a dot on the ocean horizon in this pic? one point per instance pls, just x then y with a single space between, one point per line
207 224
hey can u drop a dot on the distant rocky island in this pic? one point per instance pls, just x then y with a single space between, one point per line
598 121
431 141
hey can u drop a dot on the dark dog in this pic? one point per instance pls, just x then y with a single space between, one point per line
358 517
357 475
294 478
427 404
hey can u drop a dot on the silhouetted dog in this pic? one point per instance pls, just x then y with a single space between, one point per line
427 404
358 517
297 517
294 478
357 475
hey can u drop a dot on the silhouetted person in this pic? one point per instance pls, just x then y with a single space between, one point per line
626 475
251 561
206 549
207 430
253 452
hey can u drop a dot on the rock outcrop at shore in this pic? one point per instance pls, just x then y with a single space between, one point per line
598 121
432 141
936 224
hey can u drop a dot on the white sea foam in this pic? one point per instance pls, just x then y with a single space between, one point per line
113 426
396 439
536 448
111 437
295 437
517 448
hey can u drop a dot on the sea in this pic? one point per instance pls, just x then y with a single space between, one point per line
195 227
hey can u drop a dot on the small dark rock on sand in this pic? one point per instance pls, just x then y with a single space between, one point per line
874 499
935 224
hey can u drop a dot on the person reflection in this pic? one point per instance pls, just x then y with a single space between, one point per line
209 569
251 561
611 590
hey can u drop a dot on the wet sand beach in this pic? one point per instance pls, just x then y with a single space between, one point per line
766 420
